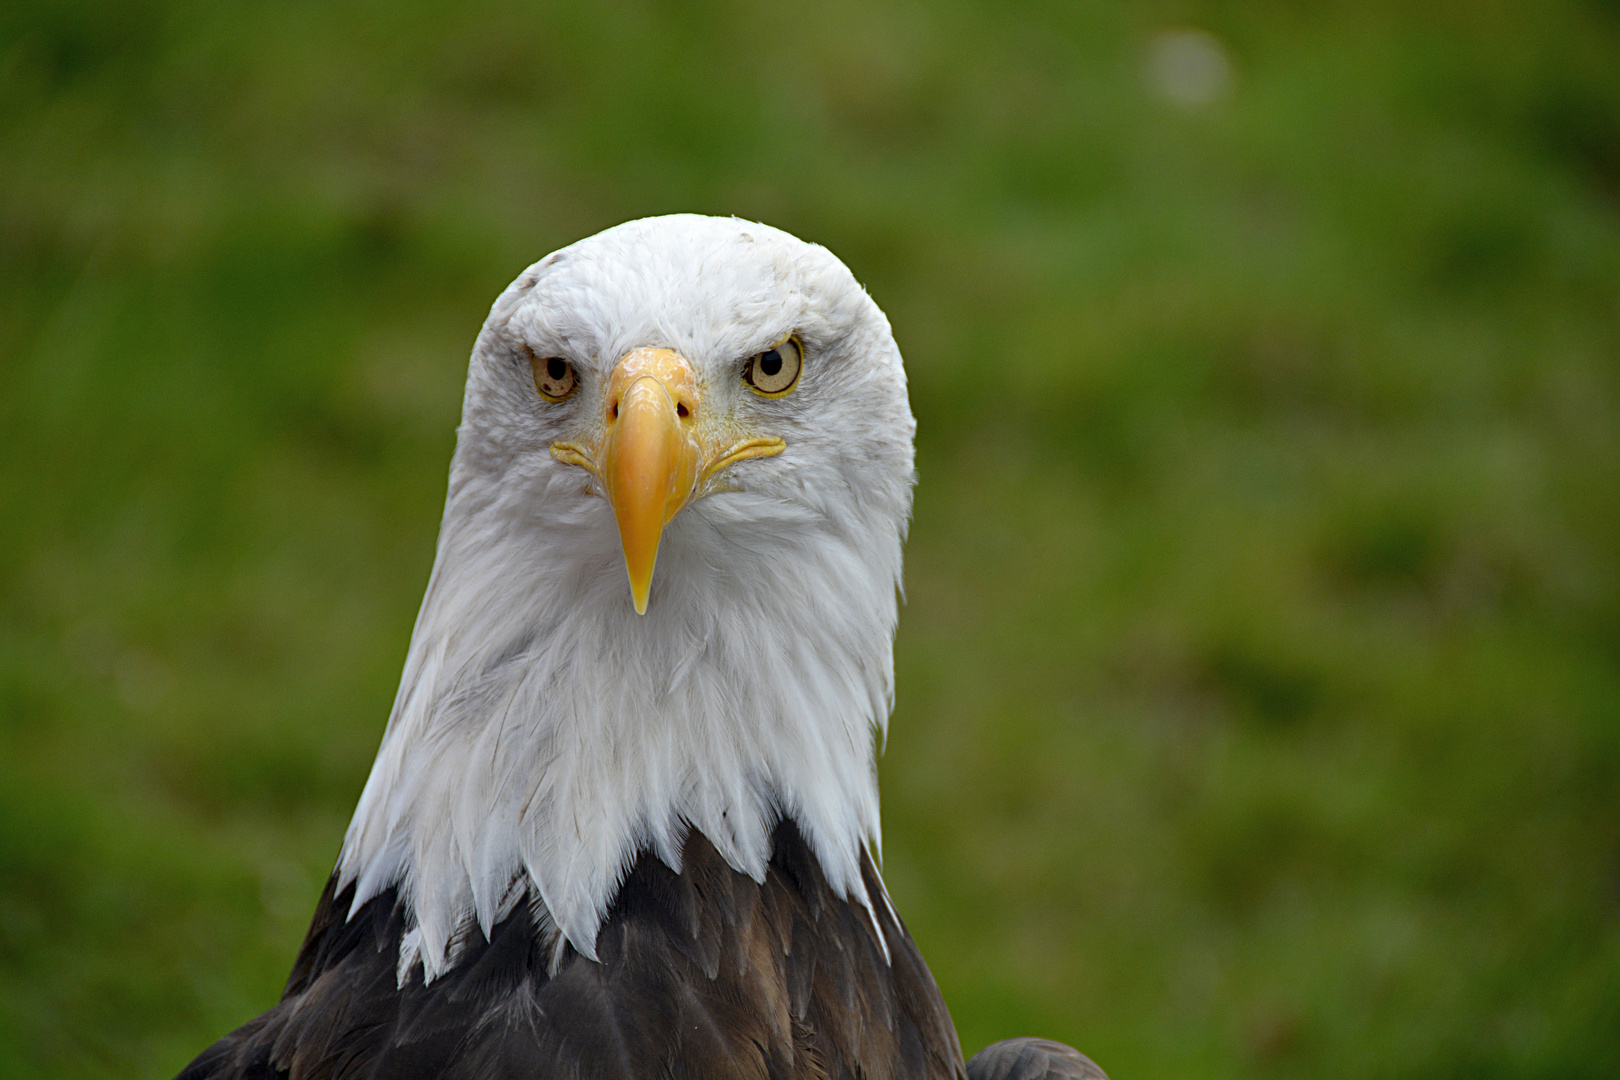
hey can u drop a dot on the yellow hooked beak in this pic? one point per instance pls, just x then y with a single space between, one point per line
649 461
655 455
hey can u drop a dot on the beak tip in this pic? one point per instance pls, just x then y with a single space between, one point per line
640 592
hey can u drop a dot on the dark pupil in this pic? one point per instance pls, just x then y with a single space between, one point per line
556 369
771 363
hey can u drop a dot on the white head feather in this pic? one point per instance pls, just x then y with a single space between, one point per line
544 733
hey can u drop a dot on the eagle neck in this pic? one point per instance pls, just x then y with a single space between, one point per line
544 735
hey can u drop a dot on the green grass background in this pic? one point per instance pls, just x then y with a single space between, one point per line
1259 678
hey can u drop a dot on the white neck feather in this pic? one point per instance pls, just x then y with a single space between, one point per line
544 733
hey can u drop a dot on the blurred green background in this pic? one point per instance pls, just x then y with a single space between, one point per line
1259 681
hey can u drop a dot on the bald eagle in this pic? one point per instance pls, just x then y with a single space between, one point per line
630 832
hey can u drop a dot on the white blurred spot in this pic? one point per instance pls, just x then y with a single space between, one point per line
1189 68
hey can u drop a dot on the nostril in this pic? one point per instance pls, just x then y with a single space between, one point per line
681 410
613 410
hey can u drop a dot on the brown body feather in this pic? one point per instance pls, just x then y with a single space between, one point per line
702 974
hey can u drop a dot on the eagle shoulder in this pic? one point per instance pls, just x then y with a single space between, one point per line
701 973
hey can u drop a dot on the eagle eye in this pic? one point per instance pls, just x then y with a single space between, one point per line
553 377
775 372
